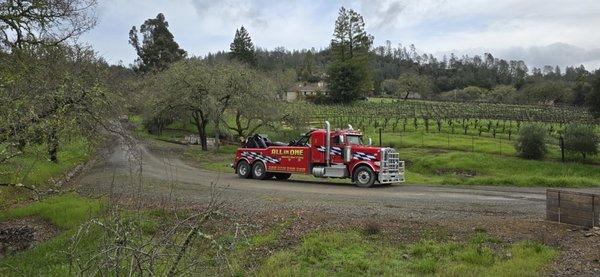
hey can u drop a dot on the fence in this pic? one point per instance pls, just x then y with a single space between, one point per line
576 208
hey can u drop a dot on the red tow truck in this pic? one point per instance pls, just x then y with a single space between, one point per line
321 153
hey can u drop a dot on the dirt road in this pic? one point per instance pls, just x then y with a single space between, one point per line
155 170
165 174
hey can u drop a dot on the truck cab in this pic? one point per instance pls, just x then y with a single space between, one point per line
341 153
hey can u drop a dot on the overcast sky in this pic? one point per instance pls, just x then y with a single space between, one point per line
553 32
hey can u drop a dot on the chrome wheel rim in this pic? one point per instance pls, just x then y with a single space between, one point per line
243 170
258 170
364 177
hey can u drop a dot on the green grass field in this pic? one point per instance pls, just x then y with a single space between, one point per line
451 159
35 169
320 252
434 166
67 212
350 253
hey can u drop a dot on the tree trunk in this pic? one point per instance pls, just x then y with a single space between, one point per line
21 145
217 133
238 125
53 146
200 123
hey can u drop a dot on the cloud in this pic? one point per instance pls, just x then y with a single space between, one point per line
560 54
434 26
230 12
385 14
443 25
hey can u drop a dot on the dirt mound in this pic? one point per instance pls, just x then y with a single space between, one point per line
22 234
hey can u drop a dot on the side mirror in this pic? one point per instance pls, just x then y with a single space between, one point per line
370 142
342 139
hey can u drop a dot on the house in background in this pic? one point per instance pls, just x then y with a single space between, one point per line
301 90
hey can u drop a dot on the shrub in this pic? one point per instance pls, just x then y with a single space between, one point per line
501 94
471 93
372 228
582 139
547 92
531 142
318 98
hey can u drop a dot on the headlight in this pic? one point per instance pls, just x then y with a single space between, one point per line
377 163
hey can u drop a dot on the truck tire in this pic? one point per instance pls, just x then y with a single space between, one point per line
364 177
243 169
282 176
259 171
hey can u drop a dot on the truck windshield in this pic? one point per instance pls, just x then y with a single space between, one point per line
354 140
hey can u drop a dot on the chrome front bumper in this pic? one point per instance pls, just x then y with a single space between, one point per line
392 176
392 168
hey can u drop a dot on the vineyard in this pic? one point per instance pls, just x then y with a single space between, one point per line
481 119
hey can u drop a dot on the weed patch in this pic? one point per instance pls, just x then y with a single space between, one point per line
325 253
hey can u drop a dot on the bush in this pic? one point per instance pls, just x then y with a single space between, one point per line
471 93
582 139
318 98
531 142
547 92
501 94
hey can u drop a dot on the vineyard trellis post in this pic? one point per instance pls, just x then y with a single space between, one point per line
380 141
562 148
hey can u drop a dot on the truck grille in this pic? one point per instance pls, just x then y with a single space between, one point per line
392 168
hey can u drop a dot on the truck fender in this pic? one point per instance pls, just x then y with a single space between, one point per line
351 171
241 159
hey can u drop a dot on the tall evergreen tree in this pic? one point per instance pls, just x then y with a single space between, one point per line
349 74
242 48
307 71
158 48
593 98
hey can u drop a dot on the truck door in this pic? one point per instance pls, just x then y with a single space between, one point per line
317 146
336 150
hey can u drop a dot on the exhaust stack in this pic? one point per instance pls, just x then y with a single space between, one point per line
327 143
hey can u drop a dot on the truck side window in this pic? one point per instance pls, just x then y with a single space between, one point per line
303 141
335 140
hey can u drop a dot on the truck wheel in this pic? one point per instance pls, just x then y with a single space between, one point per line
260 172
243 169
364 177
282 176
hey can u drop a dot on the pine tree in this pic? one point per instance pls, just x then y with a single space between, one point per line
242 48
158 48
307 71
349 74
593 98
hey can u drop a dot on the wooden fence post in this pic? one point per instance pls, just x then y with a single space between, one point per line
562 148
